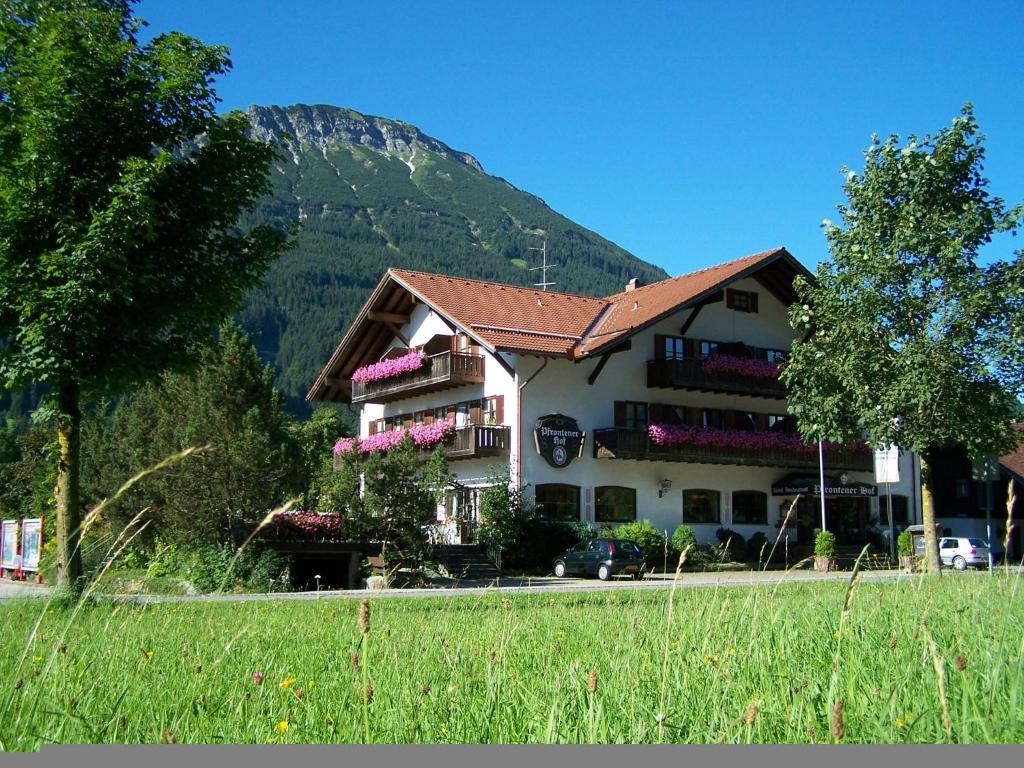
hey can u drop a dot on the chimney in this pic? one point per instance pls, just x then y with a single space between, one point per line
633 284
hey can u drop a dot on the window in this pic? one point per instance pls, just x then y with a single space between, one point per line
462 343
462 415
899 510
779 423
673 347
708 348
741 301
701 506
614 504
746 421
630 415
711 417
556 501
677 415
491 411
460 503
440 414
749 508
419 417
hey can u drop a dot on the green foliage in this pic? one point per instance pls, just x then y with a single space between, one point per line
527 541
905 544
683 537
650 540
825 544
758 547
734 546
922 339
228 403
210 568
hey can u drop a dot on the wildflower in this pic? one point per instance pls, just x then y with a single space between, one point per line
732 651
364 616
282 726
592 682
960 662
893 641
300 694
506 604
354 660
812 732
149 654
751 714
838 726
36 659
900 722
288 682
257 678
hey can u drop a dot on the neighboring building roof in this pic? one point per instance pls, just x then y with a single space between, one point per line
510 318
1014 462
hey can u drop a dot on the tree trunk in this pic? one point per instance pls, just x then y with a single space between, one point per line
931 542
69 422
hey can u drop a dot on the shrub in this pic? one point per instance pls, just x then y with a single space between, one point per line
734 543
825 544
758 547
683 537
651 541
905 544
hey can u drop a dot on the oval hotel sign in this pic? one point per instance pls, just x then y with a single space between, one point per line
559 439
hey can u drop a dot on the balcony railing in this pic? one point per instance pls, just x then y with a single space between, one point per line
636 444
478 441
442 371
689 373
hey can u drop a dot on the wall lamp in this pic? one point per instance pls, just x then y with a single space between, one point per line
664 487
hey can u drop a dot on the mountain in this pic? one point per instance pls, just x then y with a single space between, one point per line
371 193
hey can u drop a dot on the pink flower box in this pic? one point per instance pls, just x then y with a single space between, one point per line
390 369
745 366
674 435
424 436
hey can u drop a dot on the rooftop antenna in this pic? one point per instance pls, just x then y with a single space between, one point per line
544 267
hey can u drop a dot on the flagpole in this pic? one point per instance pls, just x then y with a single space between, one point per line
821 478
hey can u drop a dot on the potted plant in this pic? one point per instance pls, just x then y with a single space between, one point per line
905 550
824 551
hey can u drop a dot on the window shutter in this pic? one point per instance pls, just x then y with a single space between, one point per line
659 346
730 299
373 427
620 414
657 413
406 420
752 299
499 409
475 413
451 413
691 348
729 420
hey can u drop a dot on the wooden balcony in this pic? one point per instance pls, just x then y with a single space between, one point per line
635 444
479 441
688 373
442 371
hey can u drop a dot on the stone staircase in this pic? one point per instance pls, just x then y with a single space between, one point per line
465 562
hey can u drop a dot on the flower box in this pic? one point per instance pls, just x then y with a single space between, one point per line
424 436
391 368
745 366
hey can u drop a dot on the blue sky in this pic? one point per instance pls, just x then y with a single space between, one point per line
688 133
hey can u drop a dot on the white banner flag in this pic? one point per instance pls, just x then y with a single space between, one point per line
887 465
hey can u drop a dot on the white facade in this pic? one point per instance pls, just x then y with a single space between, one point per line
532 386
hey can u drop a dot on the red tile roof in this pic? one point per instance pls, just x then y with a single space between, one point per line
524 320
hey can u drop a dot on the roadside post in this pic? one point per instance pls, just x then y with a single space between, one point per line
986 471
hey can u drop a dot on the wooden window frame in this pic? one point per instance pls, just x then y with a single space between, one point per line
762 516
562 486
717 495
600 504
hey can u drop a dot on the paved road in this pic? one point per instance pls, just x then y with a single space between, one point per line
513 586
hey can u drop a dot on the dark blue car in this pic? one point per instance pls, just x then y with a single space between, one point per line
603 558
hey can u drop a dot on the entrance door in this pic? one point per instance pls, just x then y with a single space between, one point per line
847 519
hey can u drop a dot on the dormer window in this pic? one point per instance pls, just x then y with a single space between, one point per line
741 301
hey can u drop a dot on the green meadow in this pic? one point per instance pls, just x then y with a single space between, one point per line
920 660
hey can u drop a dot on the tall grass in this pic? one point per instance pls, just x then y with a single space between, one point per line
919 660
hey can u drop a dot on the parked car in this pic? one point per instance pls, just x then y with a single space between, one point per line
603 558
960 552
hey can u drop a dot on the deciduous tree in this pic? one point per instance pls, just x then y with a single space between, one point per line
120 191
912 338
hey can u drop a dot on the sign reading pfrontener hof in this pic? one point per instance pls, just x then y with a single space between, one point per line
559 439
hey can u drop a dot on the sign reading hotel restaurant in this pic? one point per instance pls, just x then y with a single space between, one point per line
887 465
559 439
810 486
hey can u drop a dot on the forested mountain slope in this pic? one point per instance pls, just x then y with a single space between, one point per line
372 193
